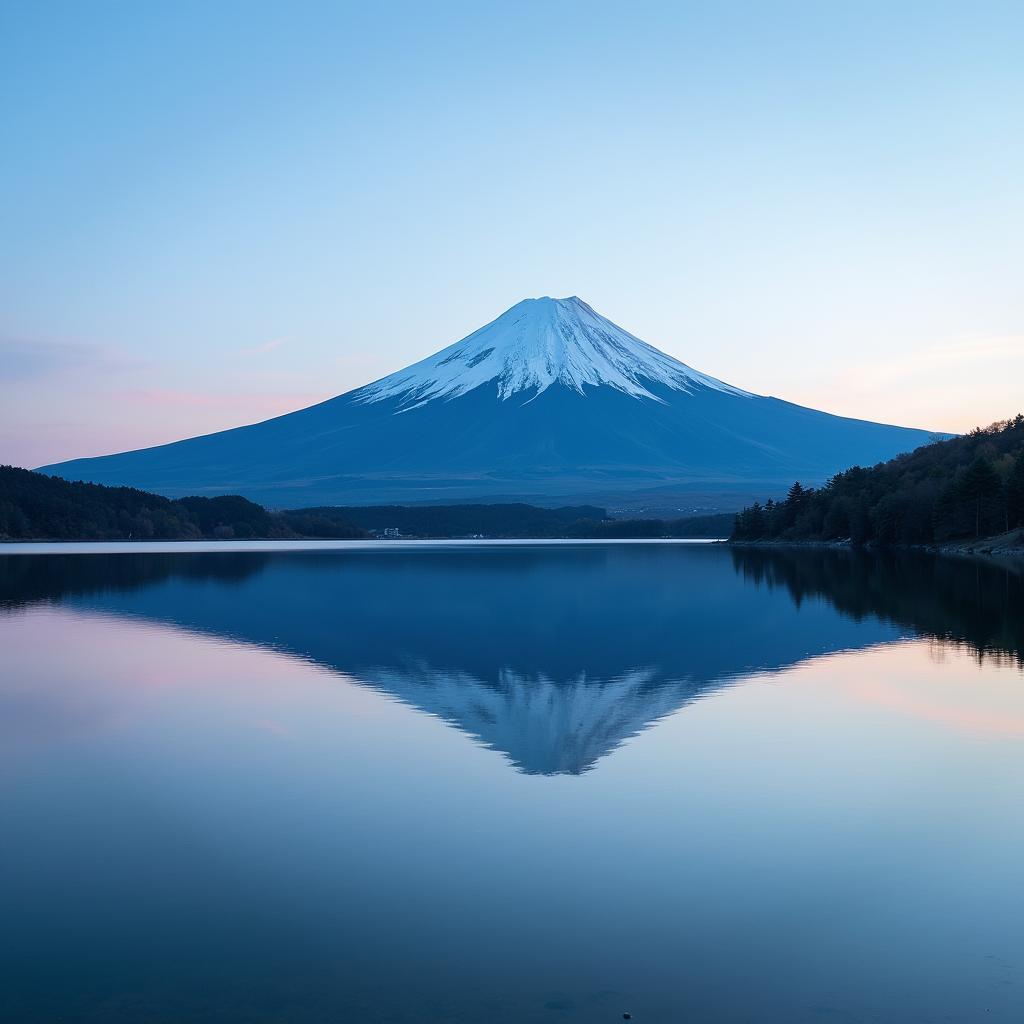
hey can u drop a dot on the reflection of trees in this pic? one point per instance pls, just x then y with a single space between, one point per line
974 602
32 579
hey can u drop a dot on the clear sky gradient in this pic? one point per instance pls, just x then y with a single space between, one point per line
211 213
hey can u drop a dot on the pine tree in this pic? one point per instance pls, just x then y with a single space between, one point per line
979 487
1014 494
756 521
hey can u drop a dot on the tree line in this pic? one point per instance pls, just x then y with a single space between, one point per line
34 506
964 488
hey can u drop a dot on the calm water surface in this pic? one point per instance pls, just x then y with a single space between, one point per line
548 783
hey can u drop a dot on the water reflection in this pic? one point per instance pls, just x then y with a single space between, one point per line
553 657
210 814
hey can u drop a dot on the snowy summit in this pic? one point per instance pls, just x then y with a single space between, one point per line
537 343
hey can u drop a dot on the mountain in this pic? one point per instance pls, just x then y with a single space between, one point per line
551 400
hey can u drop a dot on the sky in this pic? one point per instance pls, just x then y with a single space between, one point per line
214 213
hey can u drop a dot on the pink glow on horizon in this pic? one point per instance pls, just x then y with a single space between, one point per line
126 420
149 668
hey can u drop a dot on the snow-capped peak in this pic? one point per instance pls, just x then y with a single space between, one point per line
537 343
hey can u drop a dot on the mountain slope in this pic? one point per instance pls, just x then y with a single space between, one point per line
550 399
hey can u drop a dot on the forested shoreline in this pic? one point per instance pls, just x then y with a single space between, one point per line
959 490
34 506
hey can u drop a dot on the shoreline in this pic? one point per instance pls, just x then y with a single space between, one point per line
73 547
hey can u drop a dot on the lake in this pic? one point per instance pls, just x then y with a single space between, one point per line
522 782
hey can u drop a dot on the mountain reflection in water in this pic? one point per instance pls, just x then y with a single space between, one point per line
551 656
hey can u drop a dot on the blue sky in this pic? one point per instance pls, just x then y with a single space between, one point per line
213 213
